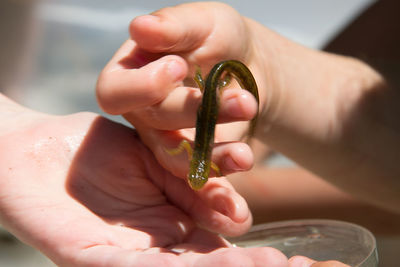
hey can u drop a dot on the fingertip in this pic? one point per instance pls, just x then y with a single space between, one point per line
177 68
238 104
224 199
124 90
241 158
144 21
233 157
105 94
141 25
167 72
300 261
152 33
218 208
231 165
171 29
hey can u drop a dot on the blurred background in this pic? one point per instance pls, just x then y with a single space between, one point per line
57 49
70 41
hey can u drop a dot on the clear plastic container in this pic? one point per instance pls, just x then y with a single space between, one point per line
317 239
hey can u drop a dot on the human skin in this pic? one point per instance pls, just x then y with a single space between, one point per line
49 190
86 192
331 114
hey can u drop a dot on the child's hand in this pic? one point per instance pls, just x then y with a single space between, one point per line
148 80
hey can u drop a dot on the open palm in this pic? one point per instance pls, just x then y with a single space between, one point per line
86 191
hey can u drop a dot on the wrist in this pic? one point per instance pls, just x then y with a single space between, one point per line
277 62
262 53
305 90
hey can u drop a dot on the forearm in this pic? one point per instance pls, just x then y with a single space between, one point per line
334 116
275 194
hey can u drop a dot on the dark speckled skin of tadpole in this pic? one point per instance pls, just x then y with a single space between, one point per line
207 115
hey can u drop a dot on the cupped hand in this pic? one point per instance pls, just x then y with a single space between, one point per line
149 80
86 192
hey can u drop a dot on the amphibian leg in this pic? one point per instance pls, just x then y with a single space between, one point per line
184 145
207 115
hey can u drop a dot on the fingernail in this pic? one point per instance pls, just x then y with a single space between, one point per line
149 18
222 207
175 70
230 164
152 16
233 103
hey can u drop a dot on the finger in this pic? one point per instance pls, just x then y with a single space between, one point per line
217 222
300 261
217 207
120 89
173 29
108 255
266 256
179 108
256 257
220 195
230 157
176 111
237 105
331 263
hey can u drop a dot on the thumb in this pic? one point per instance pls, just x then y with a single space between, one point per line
173 29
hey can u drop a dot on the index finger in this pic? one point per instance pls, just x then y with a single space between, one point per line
133 80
